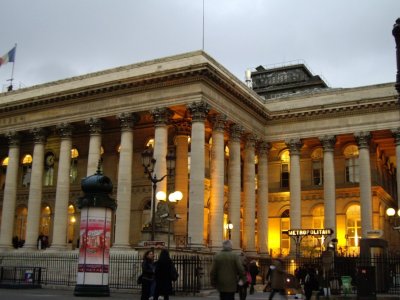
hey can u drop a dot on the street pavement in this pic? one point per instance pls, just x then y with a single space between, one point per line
62 294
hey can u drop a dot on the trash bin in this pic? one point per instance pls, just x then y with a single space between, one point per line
366 283
346 285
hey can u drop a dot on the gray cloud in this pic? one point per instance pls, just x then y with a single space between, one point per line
348 42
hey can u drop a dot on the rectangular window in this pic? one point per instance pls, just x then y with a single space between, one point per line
285 175
285 239
352 170
317 172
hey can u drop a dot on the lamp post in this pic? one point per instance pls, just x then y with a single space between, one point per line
229 227
148 162
393 219
396 34
172 198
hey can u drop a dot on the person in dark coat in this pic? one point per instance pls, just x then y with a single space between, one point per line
253 270
278 276
310 283
148 269
165 273
227 272
242 290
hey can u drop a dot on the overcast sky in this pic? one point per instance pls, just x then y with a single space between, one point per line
348 42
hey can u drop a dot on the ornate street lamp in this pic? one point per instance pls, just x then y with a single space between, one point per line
393 219
174 197
396 34
148 162
229 227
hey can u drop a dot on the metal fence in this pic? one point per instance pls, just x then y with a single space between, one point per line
385 277
61 269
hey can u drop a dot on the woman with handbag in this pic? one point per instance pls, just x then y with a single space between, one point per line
165 274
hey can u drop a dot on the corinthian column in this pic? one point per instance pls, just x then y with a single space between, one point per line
217 182
262 201
181 175
124 190
295 187
234 183
62 189
161 117
363 139
396 134
199 111
249 191
94 145
10 192
328 143
35 189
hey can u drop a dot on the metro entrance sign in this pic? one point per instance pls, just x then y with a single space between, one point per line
303 232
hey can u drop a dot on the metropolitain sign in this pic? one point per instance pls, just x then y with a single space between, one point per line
303 232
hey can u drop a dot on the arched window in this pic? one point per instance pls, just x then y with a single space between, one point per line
74 165
353 228
317 167
285 238
285 169
352 169
26 170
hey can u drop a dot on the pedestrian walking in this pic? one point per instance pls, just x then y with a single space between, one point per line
165 274
242 289
148 269
278 276
310 283
227 272
253 270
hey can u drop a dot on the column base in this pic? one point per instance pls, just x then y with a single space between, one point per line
92 290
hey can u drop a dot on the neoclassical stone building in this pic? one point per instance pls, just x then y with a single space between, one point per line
322 159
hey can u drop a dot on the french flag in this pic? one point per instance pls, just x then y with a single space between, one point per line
9 57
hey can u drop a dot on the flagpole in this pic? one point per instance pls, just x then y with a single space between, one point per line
203 28
10 88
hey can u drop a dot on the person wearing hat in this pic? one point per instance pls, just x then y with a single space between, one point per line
227 272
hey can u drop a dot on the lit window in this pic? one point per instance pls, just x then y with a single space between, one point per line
150 143
71 223
5 162
317 167
352 168
285 170
26 170
285 238
45 221
353 223
74 165
318 223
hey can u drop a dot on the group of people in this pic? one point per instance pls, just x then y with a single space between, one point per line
157 276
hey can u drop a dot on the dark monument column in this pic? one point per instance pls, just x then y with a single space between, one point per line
396 34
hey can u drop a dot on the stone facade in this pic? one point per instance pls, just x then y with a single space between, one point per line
312 146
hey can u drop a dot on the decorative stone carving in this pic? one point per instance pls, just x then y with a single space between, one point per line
328 143
236 132
161 116
95 125
182 127
251 140
14 138
39 135
64 130
363 139
218 121
198 110
263 148
128 120
294 146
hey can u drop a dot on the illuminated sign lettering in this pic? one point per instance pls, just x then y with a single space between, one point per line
302 232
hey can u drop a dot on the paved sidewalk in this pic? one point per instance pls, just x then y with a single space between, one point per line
63 294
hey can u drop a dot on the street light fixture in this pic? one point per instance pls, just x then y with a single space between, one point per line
229 227
172 198
393 219
148 162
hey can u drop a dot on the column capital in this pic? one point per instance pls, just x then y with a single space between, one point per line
236 132
64 130
182 127
362 139
39 135
128 120
263 147
328 142
14 138
396 135
198 110
250 140
218 121
95 125
161 116
294 146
